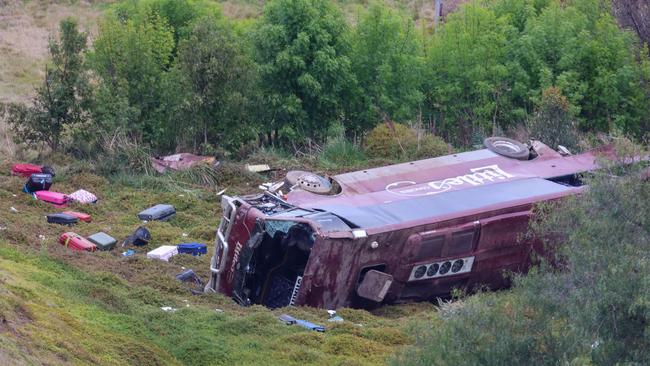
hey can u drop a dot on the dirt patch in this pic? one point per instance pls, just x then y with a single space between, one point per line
25 28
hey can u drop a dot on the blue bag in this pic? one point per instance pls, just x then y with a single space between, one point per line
192 248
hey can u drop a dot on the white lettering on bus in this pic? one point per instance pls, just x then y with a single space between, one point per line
477 177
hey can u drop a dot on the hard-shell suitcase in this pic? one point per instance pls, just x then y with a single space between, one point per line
163 253
192 248
55 198
80 215
76 242
103 241
158 212
38 182
25 170
61 219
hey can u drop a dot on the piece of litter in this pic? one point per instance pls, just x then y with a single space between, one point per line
2 228
335 319
331 313
14 195
42 237
181 195
168 309
13 209
218 310
289 320
258 168
184 235
128 253
221 192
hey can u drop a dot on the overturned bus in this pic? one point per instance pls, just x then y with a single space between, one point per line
405 232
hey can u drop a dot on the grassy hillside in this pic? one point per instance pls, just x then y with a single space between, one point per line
60 307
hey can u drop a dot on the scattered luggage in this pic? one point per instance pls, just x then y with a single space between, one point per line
61 219
163 253
76 242
38 182
80 215
54 198
188 276
83 196
192 248
289 320
141 236
159 212
46 169
25 170
103 241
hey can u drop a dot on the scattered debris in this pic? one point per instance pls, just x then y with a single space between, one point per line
38 182
61 219
103 241
218 310
182 161
25 170
195 249
80 215
221 192
141 236
13 209
333 317
128 253
163 253
258 168
160 212
168 309
289 320
83 196
55 198
75 241
189 277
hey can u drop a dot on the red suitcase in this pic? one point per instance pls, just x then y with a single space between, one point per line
80 215
25 170
76 242
55 198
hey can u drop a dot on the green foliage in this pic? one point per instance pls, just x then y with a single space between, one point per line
130 57
216 75
593 309
340 153
61 102
390 140
387 62
306 76
552 122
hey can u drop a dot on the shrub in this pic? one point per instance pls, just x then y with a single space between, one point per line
552 123
341 153
397 141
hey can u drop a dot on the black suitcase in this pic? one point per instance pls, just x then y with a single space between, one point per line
61 219
158 212
38 182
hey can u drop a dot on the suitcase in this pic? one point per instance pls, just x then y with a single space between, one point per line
61 219
163 253
55 198
76 242
25 170
192 248
80 215
83 196
38 182
158 212
103 241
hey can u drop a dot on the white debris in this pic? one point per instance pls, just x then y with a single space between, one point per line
13 209
258 168
221 192
168 309
218 310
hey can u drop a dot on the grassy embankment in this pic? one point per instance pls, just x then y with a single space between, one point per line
100 308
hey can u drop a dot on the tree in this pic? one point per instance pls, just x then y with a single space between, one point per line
553 122
216 76
305 72
131 57
63 99
387 61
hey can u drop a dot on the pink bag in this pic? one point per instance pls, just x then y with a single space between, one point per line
55 198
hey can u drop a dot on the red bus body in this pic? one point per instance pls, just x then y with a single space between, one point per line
406 232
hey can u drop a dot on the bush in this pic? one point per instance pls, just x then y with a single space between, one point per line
593 311
341 153
552 123
397 141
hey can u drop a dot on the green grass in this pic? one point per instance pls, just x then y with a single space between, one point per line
58 306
